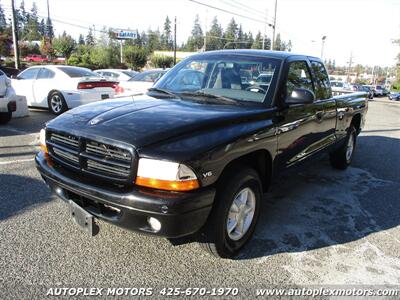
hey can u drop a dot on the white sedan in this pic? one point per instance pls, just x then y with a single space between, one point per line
116 74
140 83
59 88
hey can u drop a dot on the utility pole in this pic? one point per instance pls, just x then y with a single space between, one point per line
175 42
350 63
274 26
322 47
48 29
48 10
15 35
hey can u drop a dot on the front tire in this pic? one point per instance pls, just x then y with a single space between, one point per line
342 157
235 213
5 117
57 104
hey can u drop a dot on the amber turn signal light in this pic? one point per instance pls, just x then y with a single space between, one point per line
178 186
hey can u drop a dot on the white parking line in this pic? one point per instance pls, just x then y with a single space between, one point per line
16 161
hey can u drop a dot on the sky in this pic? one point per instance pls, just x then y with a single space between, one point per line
364 29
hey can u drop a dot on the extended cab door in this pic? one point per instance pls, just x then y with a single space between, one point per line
325 104
300 130
42 86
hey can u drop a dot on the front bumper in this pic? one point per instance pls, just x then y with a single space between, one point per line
180 214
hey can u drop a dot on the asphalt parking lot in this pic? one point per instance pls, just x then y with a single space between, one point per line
319 226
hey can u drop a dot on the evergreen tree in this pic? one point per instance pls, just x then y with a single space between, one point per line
214 36
289 46
3 22
257 44
81 40
90 38
279 45
250 40
154 40
31 30
21 17
166 37
49 29
196 41
42 28
231 34
240 38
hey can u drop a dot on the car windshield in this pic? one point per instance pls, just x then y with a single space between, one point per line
78 72
238 77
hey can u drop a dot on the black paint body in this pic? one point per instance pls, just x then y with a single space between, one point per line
205 137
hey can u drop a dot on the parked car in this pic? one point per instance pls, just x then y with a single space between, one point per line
7 106
339 87
139 83
379 91
59 60
116 74
197 158
59 87
394 96
363 88
36 58
385 91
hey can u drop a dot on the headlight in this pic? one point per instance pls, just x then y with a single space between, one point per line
42 140
165 175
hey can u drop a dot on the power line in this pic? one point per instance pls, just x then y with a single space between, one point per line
252 11
231 12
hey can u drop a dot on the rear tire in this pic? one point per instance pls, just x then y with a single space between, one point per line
342 157
5 117
235 213
57 104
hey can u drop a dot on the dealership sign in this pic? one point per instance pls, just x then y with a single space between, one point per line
125 34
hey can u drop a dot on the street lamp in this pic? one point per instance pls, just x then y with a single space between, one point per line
323 44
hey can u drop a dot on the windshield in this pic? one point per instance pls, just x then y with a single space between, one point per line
238 77
75 72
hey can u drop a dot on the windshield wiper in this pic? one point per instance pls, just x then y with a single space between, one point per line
212 96
163 91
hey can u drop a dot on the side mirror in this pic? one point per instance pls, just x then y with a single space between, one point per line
14 77
300 96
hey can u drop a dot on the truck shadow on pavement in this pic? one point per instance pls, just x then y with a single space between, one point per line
27 125
20 193
321 207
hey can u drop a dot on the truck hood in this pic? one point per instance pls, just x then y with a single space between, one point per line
142 121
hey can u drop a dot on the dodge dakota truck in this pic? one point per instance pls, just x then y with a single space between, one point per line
196 153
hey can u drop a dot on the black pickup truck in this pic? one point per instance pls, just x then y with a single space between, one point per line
196 153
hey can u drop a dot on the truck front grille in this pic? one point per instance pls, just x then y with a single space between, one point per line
91 157
108 151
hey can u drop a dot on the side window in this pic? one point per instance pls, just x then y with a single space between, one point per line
29 74
1 73
298 77
321 79
45 74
